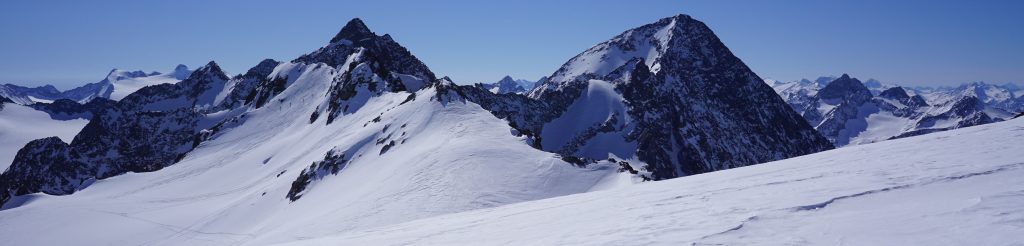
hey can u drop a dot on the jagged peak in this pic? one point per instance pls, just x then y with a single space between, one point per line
671 36
268 62
263 69
445 81
677 18
843 86
354 30
211 69
894 93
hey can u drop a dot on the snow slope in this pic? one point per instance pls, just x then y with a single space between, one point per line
597 104
406 160
121 84
21 124
959 187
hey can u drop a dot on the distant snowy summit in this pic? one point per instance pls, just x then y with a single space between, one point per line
848 111
115 86
509 85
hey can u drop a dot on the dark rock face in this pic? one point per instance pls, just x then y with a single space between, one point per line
4 100
850 95
900 95
61 174
255 86
697 109
845 88
895 93
332 163
66 109
375 64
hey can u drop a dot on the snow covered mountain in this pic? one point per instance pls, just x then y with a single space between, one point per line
959 187
668 94
847 111
115 86
508 85
1004 97
360 133
29 95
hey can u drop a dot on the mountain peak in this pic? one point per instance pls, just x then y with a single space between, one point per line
211 69
210 65
842 87
680 17
118 74
897 93
354 30
181 72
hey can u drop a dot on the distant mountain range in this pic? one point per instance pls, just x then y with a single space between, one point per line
509 85
848 111
116 85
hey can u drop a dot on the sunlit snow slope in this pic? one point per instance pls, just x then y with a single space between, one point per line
21 124
445 156
960 187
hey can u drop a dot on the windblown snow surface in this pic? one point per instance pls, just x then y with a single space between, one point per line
21 124
959 187
445 157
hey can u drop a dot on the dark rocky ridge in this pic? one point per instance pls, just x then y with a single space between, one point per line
66 109
691 116
146 131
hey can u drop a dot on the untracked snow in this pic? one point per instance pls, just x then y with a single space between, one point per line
959 187
21 124
596 105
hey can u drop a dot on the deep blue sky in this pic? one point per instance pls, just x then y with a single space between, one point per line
911 42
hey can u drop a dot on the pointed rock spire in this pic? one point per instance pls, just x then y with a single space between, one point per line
355 30
844 86
895 93
210 70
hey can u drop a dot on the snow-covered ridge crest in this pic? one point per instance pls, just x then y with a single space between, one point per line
649 42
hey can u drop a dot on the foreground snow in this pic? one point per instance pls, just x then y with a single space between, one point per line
961 187
21 124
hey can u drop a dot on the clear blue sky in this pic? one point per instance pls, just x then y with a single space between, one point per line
911 42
